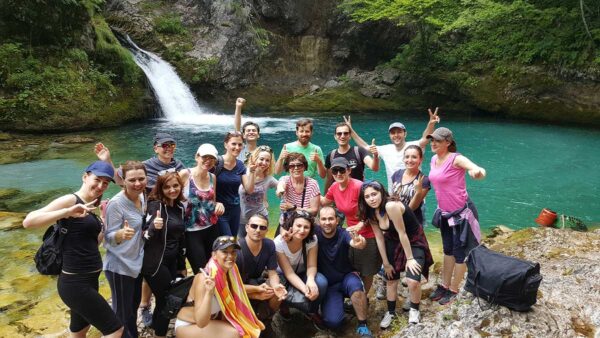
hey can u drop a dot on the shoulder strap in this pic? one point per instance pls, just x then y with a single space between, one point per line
304 256
357 153
331 156
219 166
304 192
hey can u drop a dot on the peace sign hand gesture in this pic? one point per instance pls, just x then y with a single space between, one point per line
81 210
419 185
433 116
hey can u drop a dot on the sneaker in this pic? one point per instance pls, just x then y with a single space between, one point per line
317 321
439 292
406 304
414 316
380 293
387 320
146 316
449 297
364 331
348 308
284 312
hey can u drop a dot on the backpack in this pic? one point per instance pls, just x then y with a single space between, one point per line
501 279
176 296
218 166
48 258
356 153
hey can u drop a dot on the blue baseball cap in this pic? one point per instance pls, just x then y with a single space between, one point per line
101 169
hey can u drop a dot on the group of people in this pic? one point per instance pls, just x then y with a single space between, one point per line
327 249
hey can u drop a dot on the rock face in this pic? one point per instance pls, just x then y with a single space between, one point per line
568 298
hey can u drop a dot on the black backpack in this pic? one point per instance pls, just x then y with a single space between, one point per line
176 296
48 259
501 279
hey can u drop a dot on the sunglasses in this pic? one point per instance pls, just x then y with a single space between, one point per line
338 170
342 133
295 166
260 227
166 171
208 158
168 146
265 148
226 239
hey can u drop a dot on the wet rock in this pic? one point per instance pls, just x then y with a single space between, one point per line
390 75
332 84
500 230
75 139
314 88
11 220
376 91
5 137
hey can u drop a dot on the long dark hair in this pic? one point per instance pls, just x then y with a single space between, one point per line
365 212
307 216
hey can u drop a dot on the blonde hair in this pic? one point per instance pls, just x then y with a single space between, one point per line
266 149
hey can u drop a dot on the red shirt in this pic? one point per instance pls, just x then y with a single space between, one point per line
347 202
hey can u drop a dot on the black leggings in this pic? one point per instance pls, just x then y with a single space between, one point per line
80 293
160 284
199 246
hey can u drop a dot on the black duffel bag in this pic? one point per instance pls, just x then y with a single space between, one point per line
501 279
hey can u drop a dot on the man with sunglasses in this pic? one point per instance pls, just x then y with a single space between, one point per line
257 256
164 161
250 131
343 281
356 156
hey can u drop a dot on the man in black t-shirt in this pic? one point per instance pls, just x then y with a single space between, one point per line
357 156
256 256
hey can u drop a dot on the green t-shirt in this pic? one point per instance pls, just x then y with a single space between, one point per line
295 147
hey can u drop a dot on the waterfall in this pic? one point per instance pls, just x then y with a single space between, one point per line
176 101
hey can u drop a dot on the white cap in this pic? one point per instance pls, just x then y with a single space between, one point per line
207 149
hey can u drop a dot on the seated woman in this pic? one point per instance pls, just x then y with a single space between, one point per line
297 249
217 305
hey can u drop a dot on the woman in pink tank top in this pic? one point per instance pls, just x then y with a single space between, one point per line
447 176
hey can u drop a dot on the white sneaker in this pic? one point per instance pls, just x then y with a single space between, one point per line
381 292
414 316
387 320
406 304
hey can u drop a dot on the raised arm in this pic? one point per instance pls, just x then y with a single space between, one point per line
476 172
237 117
204 288
279 164
249 178
433 119
372 162
359 141
420 193
103 154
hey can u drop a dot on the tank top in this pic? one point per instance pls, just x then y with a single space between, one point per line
411 225
200 209
449 184
80 246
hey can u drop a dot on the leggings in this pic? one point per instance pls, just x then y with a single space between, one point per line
229 222
199 246
160 284
80 293
126 294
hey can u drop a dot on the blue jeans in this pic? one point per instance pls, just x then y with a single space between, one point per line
332 308
229 222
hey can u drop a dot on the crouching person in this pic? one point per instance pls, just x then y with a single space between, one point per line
217 305
257 256
333 263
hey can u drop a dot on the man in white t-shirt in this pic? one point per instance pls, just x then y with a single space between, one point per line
250 131
393 153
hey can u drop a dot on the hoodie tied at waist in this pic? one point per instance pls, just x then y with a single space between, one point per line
460 220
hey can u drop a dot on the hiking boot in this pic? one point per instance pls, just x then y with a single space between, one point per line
414 316
284 312
406 304
146 316
380 292
387 320
449 297
363 331
317 321
439 292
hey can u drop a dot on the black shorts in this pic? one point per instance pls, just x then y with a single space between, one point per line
418 255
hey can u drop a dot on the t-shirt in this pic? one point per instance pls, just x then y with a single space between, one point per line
154 166
332 259
294 258
295 147
228 184
394 160
356 164
347 202
291 196
405 192
256 202
252 267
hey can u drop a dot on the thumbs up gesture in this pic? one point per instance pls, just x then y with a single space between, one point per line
314 156
373 148
284 153
127 232
158 221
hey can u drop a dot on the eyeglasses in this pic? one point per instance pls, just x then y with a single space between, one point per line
226 239
166 171
166 146
265 148
342 133
338 170
303 213
260 227
295 166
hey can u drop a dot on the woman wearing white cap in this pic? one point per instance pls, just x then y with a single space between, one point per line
456 215
78 282
202 209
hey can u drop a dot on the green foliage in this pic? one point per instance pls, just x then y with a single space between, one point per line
169 25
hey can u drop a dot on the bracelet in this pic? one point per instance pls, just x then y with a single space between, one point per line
412 258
